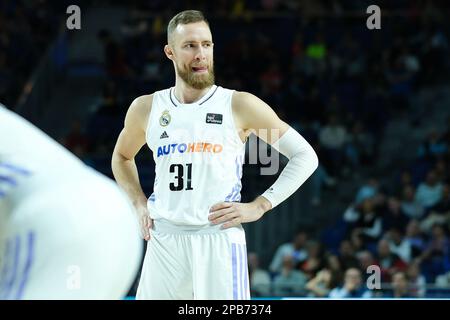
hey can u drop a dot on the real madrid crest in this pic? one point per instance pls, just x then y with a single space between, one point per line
164 120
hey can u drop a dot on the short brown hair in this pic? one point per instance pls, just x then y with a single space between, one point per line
184 17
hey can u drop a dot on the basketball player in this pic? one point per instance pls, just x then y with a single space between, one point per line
66 232
197 132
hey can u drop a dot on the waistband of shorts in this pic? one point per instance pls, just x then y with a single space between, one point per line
165 226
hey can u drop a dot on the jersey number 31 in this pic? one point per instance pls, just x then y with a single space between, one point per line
179 182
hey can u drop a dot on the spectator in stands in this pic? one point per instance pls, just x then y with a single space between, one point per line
393 216
314 261
364 221
443 280
296 249
365 260
429 192
440 212
399 245
367 190
321 285
400 81
409 204
333 138
433 147
333 264
410 61
442 172
415 237
360 146
260 282
388 261
406 179
290 281
435 259
316 51
357 241
400 286
417 280
347 256
353 286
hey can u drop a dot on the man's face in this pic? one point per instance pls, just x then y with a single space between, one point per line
383 248
399 281
352 279
192 54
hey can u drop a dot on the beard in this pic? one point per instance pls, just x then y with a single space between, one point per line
194 80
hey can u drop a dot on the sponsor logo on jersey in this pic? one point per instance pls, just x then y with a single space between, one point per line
214 118
189 147
165 118
164 135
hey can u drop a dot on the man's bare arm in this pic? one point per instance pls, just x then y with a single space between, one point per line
130 141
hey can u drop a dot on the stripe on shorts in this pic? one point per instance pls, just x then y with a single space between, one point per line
28 263
234 266
241 273
245 273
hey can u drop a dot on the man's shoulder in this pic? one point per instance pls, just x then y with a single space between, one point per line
142 104
245 104
144 100
242 97
139 110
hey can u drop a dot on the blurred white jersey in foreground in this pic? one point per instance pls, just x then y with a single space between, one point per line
66 231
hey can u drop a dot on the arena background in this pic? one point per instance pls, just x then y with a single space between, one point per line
375 104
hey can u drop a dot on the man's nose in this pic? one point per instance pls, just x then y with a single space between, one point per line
201 54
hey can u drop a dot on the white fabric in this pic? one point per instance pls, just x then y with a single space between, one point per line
302 163
201 135
403 250
427 195
66 231
188 263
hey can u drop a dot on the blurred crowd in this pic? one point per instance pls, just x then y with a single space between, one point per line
26 30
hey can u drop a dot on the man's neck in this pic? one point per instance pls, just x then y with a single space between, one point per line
187 94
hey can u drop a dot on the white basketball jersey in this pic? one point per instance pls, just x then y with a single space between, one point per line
198 155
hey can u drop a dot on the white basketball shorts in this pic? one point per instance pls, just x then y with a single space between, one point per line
187 262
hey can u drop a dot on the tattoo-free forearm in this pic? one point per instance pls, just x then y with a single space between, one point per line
126 174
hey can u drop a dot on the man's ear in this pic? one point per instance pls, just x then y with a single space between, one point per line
169 52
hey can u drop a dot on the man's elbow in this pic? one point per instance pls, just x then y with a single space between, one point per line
117 159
